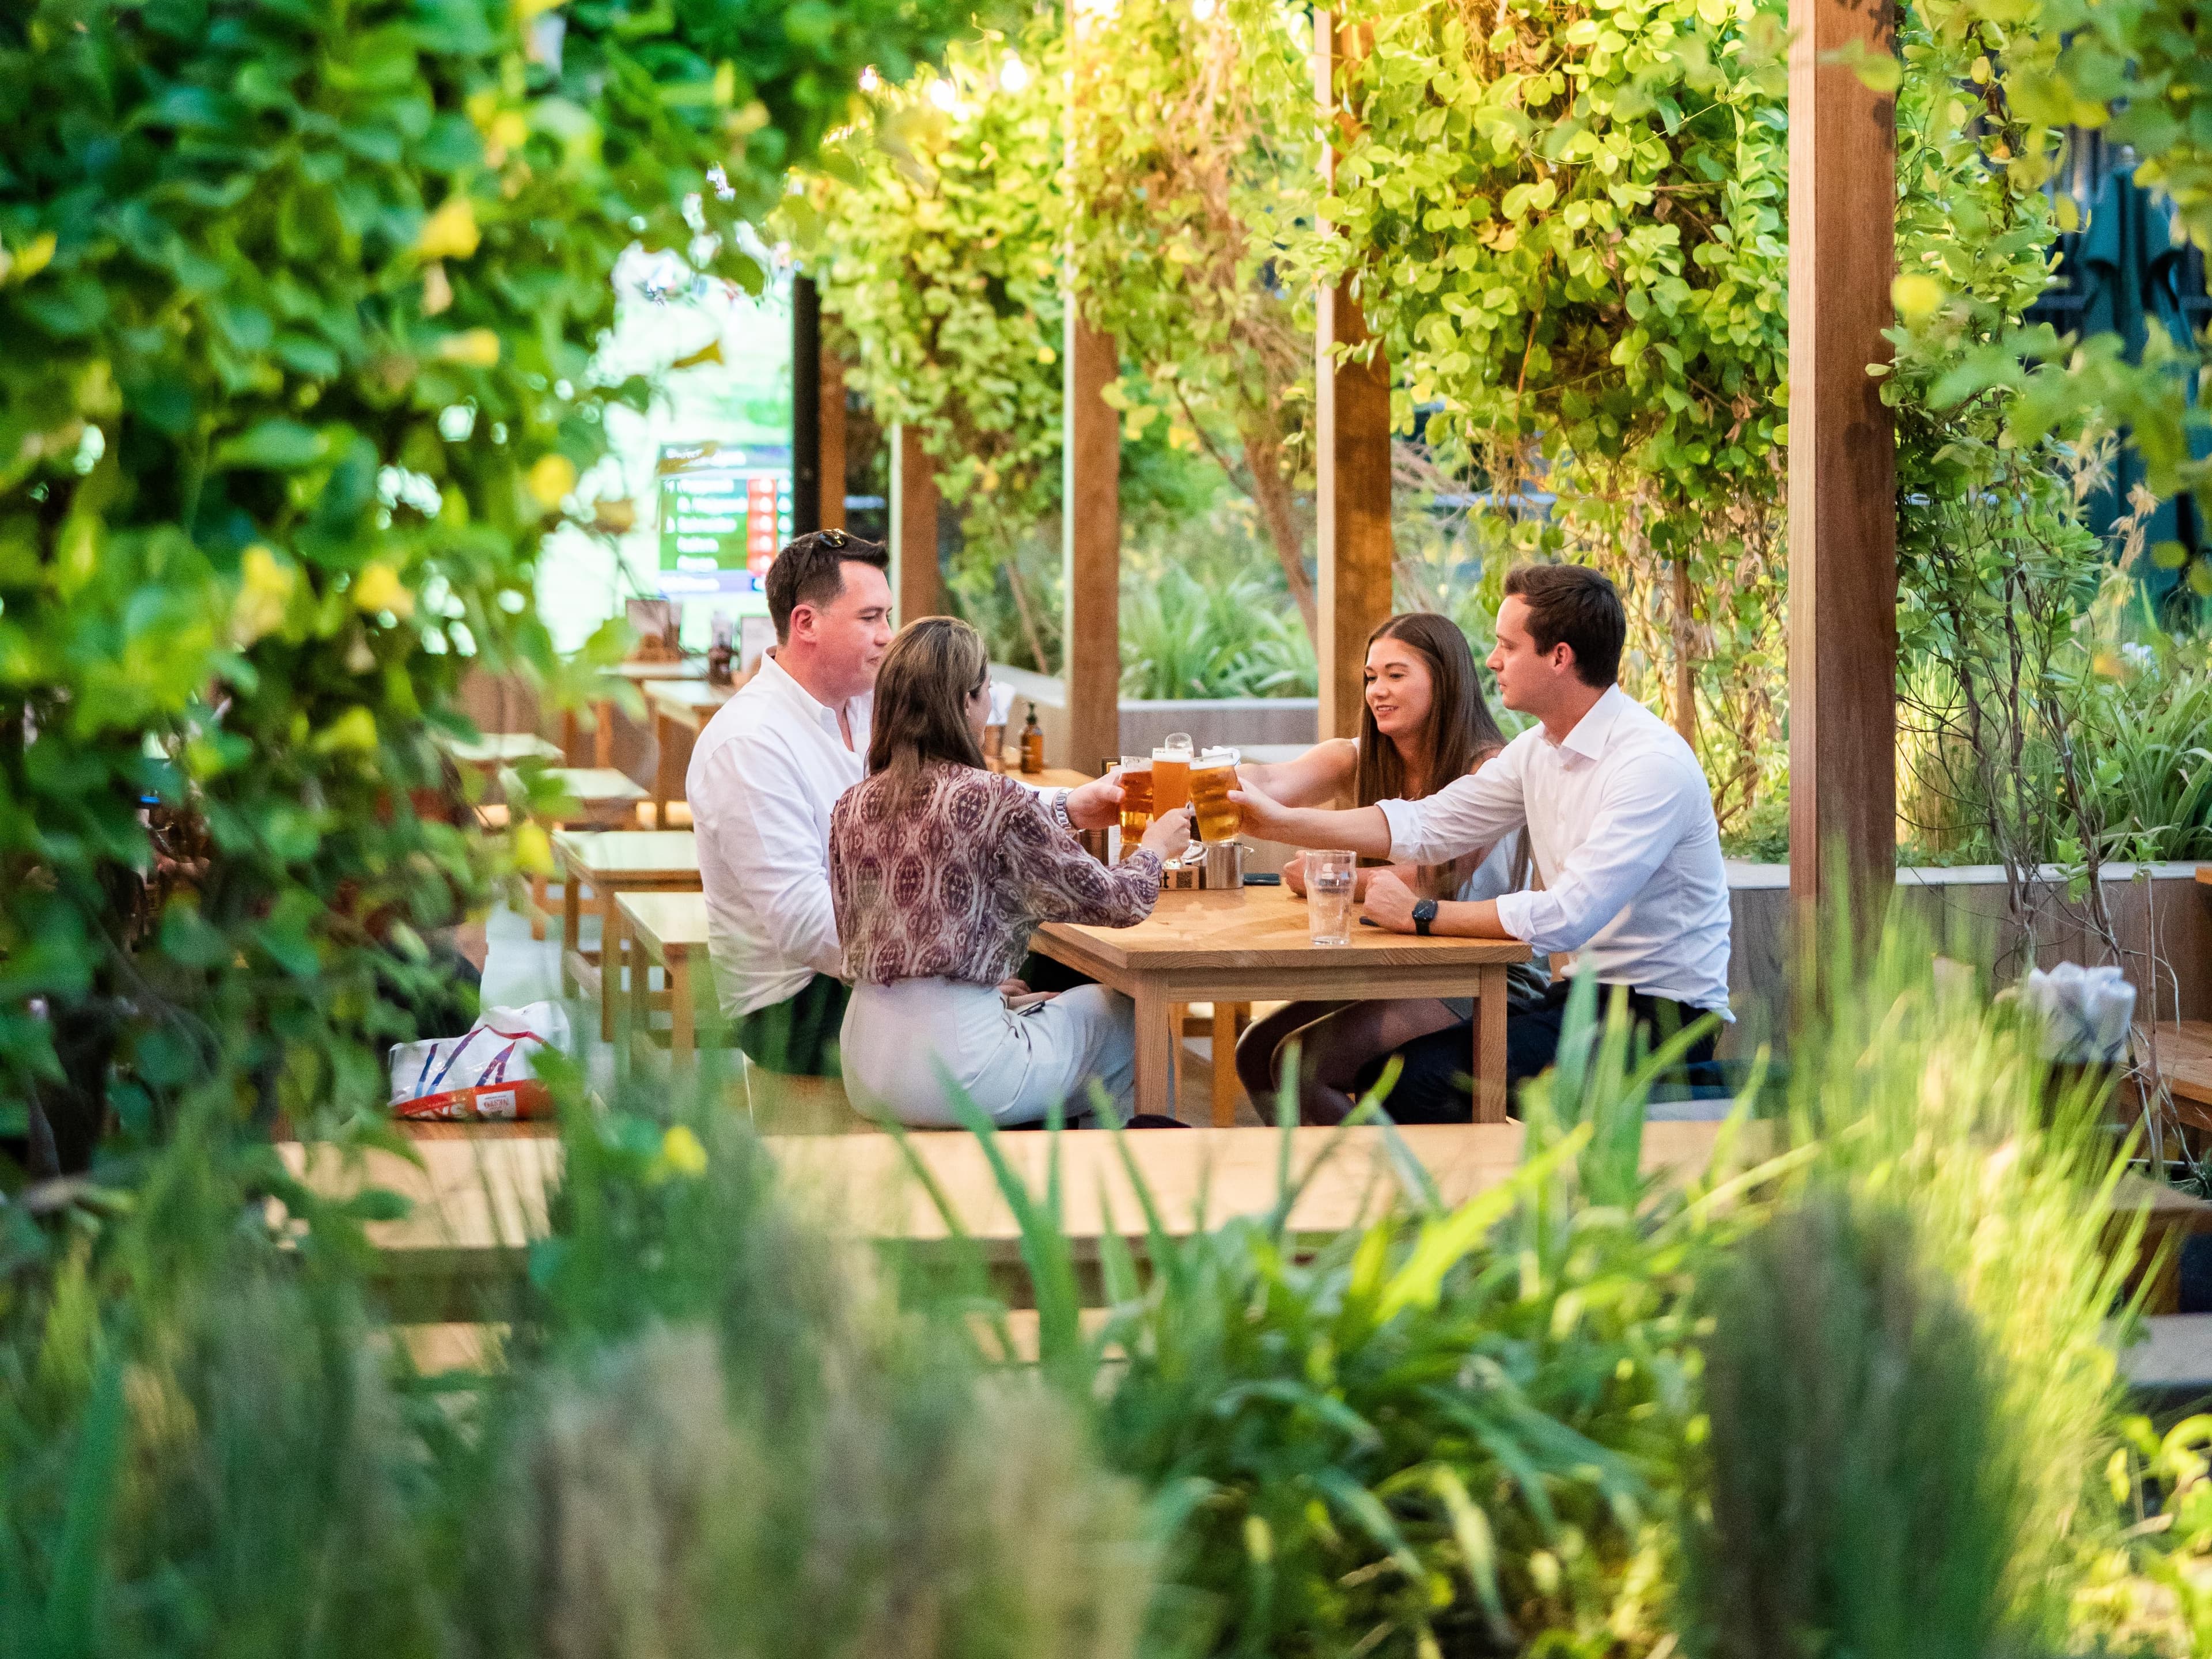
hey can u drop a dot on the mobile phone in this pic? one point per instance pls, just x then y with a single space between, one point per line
1258 879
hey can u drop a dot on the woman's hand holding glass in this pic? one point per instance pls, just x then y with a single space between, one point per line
1169 834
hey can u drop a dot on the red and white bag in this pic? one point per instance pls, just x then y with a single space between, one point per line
487 1074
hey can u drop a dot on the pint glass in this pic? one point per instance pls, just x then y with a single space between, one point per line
1212 775
1172 773
1331 878
1136 798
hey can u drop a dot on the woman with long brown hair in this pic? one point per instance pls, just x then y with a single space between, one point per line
1423 724
939 871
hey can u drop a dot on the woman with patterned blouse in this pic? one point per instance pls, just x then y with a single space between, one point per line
939 870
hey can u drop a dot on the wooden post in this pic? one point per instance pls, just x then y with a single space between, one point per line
805 406
832 399
1352 455
1090 546
917 583
1842 466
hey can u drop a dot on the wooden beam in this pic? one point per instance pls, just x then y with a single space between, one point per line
1351 451
1090 546
1843 465
832 384
917 581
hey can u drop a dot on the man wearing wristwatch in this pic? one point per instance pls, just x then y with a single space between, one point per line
763 775
1620 829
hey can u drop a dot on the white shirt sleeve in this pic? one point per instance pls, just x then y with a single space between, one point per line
1466 814
1638 823
775 849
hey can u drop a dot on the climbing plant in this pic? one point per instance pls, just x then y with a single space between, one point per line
1193 160
300 304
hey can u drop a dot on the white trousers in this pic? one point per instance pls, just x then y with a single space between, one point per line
907 1046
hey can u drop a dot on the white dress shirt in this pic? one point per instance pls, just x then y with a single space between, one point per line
763 775
1620 825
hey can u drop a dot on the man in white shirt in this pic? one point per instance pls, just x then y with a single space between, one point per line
765 773
1620 829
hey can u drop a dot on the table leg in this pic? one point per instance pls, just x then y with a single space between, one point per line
640 997
680 1039
538 907
568 738
1490 1102
1229 1020
659 771
571 924
602 733
1158 1040
611 962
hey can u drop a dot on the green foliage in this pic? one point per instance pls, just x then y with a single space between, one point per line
1864 1492
301 303
1196 625
203 1450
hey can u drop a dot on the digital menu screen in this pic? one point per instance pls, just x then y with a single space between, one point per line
725 510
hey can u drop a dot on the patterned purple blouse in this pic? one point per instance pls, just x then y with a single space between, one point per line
946 875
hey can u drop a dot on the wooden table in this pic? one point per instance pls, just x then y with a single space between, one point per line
612 861
1253 943
603 798
688 704
496 750
669 931
638 673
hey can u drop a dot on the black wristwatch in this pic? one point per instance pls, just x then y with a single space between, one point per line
1425 912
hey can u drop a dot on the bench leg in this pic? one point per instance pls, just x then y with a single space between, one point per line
1229 1019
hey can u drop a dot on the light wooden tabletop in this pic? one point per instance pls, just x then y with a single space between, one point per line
666 921
1053 777
498 748
686 699
642 672
591 784
645 855
1265 927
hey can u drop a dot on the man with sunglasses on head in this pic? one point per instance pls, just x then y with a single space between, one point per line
763 775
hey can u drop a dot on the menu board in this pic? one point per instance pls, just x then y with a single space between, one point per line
725 511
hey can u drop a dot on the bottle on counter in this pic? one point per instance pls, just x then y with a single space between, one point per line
1032 743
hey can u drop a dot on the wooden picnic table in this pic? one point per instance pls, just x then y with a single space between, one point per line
603 798
638 673
1254 944
479 1199
687 705
668 931
611 862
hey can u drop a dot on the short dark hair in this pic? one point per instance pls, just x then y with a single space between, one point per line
1577 604
811 571
921 714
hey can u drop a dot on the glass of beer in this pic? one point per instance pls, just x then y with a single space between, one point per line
1171 774
1136 798
1212 775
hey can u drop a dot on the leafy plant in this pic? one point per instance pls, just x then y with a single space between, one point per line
301 304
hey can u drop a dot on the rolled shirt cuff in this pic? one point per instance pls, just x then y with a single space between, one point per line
1404 818
1513 916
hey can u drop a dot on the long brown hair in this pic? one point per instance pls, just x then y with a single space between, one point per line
922 689
1460 732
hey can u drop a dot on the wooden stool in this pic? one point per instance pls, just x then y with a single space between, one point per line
1224 1024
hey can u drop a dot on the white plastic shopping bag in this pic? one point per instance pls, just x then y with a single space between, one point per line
488 1073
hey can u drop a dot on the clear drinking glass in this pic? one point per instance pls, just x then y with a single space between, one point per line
1331 875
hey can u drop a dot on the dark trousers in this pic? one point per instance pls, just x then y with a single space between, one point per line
798 1037
1435 1086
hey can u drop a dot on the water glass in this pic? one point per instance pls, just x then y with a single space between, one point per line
1331 875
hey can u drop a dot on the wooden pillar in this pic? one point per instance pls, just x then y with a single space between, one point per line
1843 465
917 583
832 397
805 406
1090 545
1352 455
